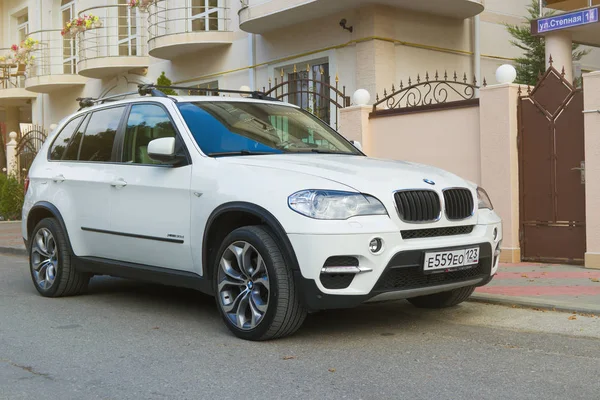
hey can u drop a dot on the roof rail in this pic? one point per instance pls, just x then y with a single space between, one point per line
154 90
85 102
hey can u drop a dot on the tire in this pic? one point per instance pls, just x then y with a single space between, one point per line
50 265
254 308
443 299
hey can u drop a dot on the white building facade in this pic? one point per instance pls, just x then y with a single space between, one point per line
370 44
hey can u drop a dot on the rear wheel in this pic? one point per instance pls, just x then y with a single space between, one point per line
444 299
50 262
254 287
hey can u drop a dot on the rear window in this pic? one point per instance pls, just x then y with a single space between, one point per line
62 140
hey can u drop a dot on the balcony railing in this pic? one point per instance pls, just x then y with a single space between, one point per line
179 26
54 55
111 47
10 77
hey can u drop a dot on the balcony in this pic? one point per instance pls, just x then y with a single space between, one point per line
179 27
259 16
54 66
570 5
120 45
12 87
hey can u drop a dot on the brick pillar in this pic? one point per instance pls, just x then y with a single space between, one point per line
354 125
375 66
499 161
591 103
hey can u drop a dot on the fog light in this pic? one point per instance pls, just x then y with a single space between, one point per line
375 245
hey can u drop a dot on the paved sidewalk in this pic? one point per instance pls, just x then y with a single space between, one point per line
11 240
559 287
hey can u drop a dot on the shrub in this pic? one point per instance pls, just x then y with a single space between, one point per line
11 197
164 81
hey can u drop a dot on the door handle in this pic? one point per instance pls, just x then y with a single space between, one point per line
58 178
581 169
119 183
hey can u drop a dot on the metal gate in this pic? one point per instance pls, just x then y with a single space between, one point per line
552 171
317 96
28 146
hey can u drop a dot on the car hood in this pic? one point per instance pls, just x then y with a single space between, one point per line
363 174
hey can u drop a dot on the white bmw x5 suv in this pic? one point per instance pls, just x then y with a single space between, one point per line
254 201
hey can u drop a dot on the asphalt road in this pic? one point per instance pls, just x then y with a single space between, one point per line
127 340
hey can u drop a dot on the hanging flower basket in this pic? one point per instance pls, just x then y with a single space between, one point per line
21 54
80 24
142 5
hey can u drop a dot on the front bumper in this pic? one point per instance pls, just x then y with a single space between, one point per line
394 273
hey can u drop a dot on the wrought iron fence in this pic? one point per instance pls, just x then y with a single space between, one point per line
427 92
317 96
28 146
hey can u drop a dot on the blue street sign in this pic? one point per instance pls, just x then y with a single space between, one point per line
568 20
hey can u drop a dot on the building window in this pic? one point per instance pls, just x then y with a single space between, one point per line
206 15
22 27
308 89
128 22
206 86
67 12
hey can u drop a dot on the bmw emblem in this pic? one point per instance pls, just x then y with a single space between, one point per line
429 181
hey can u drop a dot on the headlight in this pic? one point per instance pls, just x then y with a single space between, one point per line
484 199
330 204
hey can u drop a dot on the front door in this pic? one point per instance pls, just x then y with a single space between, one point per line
150 203
552 171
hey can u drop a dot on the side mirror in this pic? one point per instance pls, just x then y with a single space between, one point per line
356 144
163 151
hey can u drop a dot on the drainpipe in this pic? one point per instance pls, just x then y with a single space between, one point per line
252 53
477 51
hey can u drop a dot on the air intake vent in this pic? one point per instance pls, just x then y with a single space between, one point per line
459 203
437 232
418 205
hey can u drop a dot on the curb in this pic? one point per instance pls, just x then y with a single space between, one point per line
528 302
15 251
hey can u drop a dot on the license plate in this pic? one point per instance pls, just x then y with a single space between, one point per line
451 260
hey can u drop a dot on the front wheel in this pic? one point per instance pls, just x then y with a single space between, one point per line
442 300
254 287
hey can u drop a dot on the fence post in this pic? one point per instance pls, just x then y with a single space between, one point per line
11 155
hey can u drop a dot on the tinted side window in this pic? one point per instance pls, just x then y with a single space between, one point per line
100 134
73 147
63 138
146 122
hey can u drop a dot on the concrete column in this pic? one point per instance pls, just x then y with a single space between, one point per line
12 119
559 45
591 103
375 66
11 155
354 125
500 161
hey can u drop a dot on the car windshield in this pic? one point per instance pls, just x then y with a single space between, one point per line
244 128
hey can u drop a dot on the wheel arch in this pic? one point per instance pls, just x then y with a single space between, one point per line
41 210
230 216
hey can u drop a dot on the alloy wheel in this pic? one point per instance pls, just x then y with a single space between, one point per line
243 285
44 258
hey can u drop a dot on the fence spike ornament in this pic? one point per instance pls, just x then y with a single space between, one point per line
427 92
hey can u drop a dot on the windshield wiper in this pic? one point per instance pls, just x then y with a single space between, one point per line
319 151
240 153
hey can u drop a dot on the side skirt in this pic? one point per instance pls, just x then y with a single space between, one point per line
144 273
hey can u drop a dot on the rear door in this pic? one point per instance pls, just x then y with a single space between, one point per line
86 178
150 204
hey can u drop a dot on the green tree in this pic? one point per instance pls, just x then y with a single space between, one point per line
164 81
533 62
